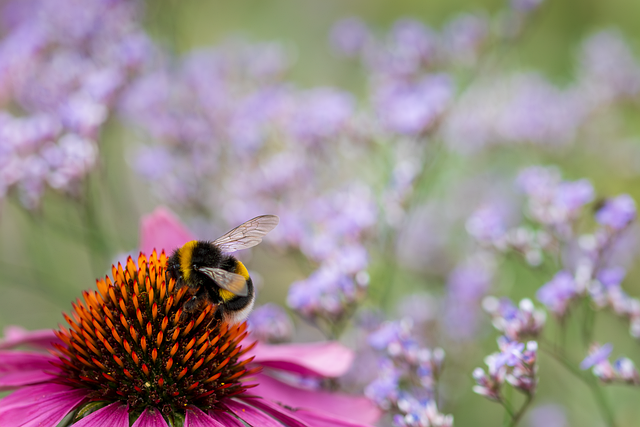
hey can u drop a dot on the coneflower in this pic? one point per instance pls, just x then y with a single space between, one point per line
132 356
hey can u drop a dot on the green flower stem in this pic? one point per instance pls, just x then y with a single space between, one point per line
508 408
515 419
96 240
601 400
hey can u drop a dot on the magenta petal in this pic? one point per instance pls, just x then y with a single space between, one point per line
250 415
18 379
196 418
114 415
18 368
43 405
317 419
225 419
353 408
15 336
162 230
150 417
326 359
285 415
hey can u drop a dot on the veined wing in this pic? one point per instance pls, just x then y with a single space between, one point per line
247 235
232 282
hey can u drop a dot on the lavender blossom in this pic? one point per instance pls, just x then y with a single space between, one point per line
270 323
350 37
64 70
384 389
515 363
626 371
617 212
468 283
464 37
514 109
413 108
597 354
608 68
515 322
489 384
487 225
548 415
420 413
558 293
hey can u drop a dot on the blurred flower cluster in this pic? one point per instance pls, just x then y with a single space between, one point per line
415 210
62 68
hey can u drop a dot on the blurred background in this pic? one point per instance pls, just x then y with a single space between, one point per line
388 136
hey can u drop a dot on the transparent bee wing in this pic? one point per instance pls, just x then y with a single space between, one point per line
247 235
234 283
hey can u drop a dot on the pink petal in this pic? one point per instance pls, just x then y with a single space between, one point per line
317 419
18 368
17 379
325 359
225 419
15 336
250 415
353 408
114 415
196 418
276 411
162 230
150 417
43 405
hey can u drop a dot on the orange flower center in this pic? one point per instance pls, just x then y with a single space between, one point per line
131 341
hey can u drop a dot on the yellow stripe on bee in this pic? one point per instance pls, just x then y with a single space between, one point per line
241 270
226 295
186 253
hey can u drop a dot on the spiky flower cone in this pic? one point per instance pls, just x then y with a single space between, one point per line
130 341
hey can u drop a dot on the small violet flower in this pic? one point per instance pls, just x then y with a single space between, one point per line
617 212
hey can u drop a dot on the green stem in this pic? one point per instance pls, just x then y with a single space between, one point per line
516 418
587 324
601 400
96 240
507 406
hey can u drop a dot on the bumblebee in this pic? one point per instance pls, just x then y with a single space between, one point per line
216 277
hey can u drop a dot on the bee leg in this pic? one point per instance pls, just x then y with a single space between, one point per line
196 301
219 314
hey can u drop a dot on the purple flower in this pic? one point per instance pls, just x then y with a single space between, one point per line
538 181
487 224
573 195
611 276
510 352
350 36
617 212
516 109
626 371
596 355
467 284
270 323
63 67
515 322
557 293
464 36
609 69
384 389
412 108
526 5
548 415
411 45
325 113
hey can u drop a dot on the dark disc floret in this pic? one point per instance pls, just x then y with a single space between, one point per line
130 341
